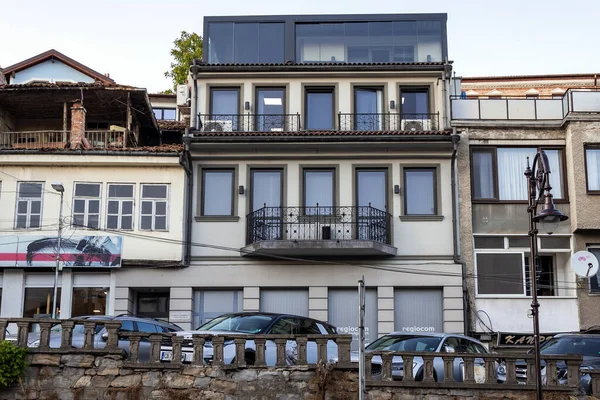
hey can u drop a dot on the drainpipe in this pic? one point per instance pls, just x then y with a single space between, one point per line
455 238
194 110
185 162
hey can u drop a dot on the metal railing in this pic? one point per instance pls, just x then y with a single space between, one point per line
319 223
60 139
249 122
388 122
526 108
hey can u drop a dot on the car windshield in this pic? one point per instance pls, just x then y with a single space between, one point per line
405 343
579 345
239 323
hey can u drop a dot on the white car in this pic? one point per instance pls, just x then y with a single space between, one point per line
256 323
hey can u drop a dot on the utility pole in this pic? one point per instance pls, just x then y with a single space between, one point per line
361 338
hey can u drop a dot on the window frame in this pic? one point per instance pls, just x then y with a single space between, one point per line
153 201
590 247
319 89
28 213
494 150
120 202
382 124
592 147
201 192
252 170
414 89
162 113
438 216
86 199
332 169
385 168
496 295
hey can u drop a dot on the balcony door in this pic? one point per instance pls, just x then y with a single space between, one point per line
368 109
414 108
270 110
224 110
371 198
266 201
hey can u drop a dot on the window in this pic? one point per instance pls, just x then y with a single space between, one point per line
29 205
371 188
126 325
270 109
266 188
169 114
319 108
592 167
595 280
86 205
146 327
153 305
88 301
414 103
500 273
319 190
154 207
497 173
545 276
368 109
38 302
235 42
224 106
420 191
217 192
119 214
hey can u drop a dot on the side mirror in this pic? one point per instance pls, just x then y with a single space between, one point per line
448 349
104 336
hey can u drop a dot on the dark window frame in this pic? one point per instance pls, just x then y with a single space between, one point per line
424 168
385 170
284 120
554 284
497 253
414 89
589 247
383 124
162 113
281 186
232 170
235 122
156 296
333 170
319 89
586 147
493 149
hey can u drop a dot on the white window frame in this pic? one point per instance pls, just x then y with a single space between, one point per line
590 293
588 164
154 200
120 201
28 200
86 212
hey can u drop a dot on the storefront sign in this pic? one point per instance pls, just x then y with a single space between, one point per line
520 339
75 251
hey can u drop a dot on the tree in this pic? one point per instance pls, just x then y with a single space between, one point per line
187 47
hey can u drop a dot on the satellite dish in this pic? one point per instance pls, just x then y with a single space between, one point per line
584 264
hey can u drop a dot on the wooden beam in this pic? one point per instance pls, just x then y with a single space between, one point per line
65 118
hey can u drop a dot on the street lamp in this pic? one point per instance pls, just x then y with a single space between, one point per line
549 217
58 186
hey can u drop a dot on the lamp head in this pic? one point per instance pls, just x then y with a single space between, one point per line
549 217
58 186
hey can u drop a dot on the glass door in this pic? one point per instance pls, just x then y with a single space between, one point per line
371 199
368 109
270 110
266 204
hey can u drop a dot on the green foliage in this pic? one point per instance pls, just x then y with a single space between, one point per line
13 360
187 47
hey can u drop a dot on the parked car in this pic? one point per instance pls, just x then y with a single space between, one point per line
129 323
256 323
587 345
430 343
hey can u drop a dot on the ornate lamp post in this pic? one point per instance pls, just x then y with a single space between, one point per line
538 178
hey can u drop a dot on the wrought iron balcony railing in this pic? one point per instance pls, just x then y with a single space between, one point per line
319 223
388 122
250 122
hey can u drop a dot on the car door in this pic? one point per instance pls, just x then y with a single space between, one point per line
283 326
144 351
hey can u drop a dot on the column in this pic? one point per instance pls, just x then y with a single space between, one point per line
13 292
123 301
453 309
252 298
180 307
385 310
66 292
317 303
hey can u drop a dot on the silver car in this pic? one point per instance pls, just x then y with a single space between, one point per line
256 323
430 343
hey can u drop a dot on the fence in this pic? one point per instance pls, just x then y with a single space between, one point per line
60 139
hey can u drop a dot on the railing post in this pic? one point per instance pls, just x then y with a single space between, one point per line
134 348
198 343
340 120
386 367
322 349
88 334
240 349
343 344
469 369
112 332
551 375
280 346
67 334
490 370
3 325
301 347
45 327
155 341
368 369
511 373
408 369
22 333
176 342
427 368
217 342
448 368
573 373
260 342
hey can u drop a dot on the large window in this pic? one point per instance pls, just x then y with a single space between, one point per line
86 205
38 302
420 191
368 109
29 205
319 108
217 192
497 173
119 213
266 188
89 301
592 167
224 109
154 207
270 107
233 42
371 187
500 273
319 189
414 103
168 114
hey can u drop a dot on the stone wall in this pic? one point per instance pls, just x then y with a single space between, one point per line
55 376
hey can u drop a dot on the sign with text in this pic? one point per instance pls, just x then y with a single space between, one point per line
75 251
521 339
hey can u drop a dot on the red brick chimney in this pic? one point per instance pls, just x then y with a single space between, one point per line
77 124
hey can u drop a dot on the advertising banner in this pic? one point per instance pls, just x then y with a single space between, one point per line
521 339
75 251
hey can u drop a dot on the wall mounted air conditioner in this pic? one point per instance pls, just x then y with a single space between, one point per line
182 95
416 125
276 129
217 126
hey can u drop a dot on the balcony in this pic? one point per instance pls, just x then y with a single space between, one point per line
388 122
319 231
551 110
60 139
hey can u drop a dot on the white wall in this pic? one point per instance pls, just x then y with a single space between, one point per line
51 70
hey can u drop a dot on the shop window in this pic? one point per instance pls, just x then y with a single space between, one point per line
89 301
38 302
153 305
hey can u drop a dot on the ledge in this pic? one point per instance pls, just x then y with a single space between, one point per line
409 218
217 218
319 248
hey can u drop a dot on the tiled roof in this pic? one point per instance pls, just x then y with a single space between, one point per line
172 125
165 148
324 133
65 85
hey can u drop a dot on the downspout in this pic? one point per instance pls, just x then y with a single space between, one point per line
194 111
185 162
455 238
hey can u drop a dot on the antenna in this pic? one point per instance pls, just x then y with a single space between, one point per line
584 264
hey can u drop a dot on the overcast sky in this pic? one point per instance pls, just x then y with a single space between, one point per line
131 39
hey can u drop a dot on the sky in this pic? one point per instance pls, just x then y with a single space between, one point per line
131 39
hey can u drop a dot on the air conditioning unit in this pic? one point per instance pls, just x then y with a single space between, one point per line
182 95
217 126
416 125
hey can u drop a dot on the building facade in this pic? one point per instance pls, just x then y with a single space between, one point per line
320 155
502 121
